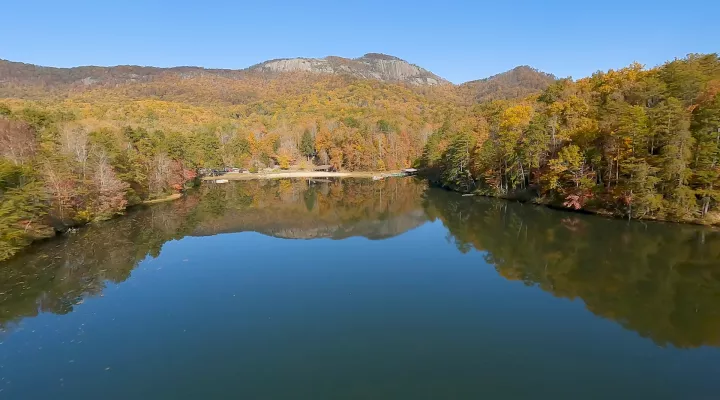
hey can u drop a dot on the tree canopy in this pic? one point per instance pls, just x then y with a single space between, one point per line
634 142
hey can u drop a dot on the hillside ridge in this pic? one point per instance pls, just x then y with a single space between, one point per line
377 66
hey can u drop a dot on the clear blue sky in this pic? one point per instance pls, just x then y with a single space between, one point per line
457 40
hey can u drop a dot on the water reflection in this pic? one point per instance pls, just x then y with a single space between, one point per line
57 275
659 280
310 209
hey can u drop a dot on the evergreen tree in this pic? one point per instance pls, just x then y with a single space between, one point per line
457 163
307 145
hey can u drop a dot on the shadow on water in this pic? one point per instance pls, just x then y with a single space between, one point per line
659 280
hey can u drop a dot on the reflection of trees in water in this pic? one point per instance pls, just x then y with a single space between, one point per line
660 280
57 275
308 209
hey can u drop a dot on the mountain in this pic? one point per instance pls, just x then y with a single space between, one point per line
370 66
21 73
518 82
17 77
274 79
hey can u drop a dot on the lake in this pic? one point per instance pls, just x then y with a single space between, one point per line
356 289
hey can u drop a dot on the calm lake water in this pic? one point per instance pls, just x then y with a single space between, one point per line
362 290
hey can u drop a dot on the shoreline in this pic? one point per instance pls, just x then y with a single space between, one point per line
58 234
171 197
312 174
587 211
236 176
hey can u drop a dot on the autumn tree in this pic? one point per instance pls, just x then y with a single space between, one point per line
17 141
110 189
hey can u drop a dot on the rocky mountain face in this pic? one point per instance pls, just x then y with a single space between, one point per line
370 66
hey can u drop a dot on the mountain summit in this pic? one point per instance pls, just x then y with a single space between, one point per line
518 82
370 66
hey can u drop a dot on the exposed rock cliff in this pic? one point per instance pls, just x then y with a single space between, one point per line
370 66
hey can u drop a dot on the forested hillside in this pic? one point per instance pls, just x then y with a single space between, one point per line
516 83
83 144
634 142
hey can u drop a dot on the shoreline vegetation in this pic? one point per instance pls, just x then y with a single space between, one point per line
540 202
356 175
635 143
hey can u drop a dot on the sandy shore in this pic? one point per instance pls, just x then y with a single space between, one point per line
172 197
231 176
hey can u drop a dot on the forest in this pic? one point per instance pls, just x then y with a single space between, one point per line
636 142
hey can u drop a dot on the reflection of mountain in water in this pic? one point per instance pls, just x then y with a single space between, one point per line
659 280
297 210
305 227
301 210
56 275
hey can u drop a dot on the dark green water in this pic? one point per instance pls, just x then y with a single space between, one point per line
362 290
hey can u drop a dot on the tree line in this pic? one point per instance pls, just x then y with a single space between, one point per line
635 142
87 156
56 173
